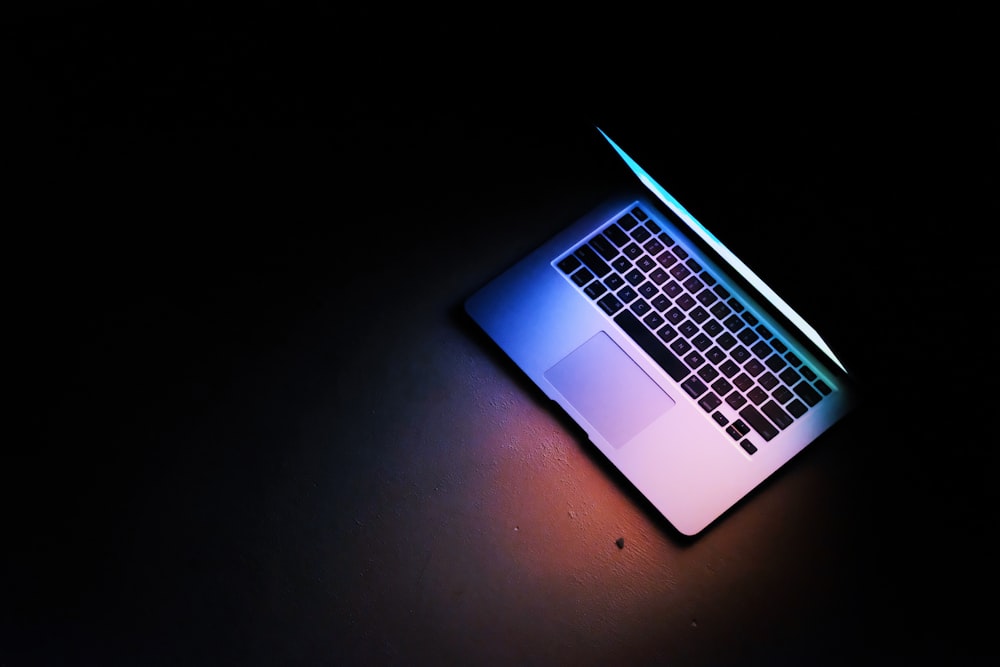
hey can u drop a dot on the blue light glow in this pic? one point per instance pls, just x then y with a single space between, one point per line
723 251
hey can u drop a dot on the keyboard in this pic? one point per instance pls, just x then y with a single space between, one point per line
748 380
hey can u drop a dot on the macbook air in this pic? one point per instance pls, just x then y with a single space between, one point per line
684 368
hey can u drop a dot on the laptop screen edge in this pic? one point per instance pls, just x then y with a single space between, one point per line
748 274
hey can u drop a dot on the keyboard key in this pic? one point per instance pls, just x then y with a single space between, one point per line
653 246
725 341
645 263
694 386
658 276
604 247
617 236
694 360
707 297
648 290
582 277
739 429
776 362
698 314
748 446
653 320
708 373
782 394
680 272
680 346
667 259
569 264
721 310
640 307
729 368
709 402
693 285
733 323
736 400
780 418
667 333
685 301
675 315
796 408
628 222
640 234
805 391
634 277
701 342
716 355
592 260
610 304
758 422
626 294
789 376
722 386
614 281
743 381
595 289
768 381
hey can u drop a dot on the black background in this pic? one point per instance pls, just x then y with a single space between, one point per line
209 210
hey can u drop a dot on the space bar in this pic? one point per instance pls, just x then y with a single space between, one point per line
674 367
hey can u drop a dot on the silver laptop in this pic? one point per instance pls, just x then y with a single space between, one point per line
683 367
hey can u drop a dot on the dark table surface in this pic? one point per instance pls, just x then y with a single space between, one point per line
252 425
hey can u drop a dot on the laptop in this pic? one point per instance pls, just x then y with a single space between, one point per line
684 368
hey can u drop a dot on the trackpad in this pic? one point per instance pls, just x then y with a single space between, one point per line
609 389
